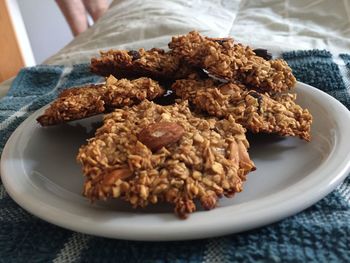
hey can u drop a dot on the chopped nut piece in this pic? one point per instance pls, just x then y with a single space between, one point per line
198 138
217 168
158 135
119 174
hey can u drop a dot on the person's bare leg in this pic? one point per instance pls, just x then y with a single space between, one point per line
75 14
96 8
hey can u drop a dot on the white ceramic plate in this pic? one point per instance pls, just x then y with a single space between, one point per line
39 172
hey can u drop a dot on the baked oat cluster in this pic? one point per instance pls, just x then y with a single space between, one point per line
224 58
78 103
257 112
150 153
154 63
188 146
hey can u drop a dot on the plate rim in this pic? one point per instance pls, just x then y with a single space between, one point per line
203 228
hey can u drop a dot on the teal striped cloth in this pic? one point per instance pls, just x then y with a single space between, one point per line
321 233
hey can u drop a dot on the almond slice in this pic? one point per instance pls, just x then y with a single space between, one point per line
158 135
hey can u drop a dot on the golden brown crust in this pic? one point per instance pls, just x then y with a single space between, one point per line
78 103
258 112
205 161
154 63
229 60
74 104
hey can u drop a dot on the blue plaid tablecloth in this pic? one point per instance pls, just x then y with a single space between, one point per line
320 233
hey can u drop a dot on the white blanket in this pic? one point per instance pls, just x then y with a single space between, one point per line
277 25
273 24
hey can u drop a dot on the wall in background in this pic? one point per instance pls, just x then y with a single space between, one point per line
46 27
15 46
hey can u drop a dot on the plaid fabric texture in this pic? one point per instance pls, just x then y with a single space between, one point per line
320 233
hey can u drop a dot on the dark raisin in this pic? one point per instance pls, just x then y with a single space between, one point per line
255 95
221 41
167 99
263 53
135 54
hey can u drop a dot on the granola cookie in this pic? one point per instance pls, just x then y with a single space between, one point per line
257 112
78 103
149 153
226 59
154 63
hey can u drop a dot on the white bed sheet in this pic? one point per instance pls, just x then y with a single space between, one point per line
278 25
274 24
